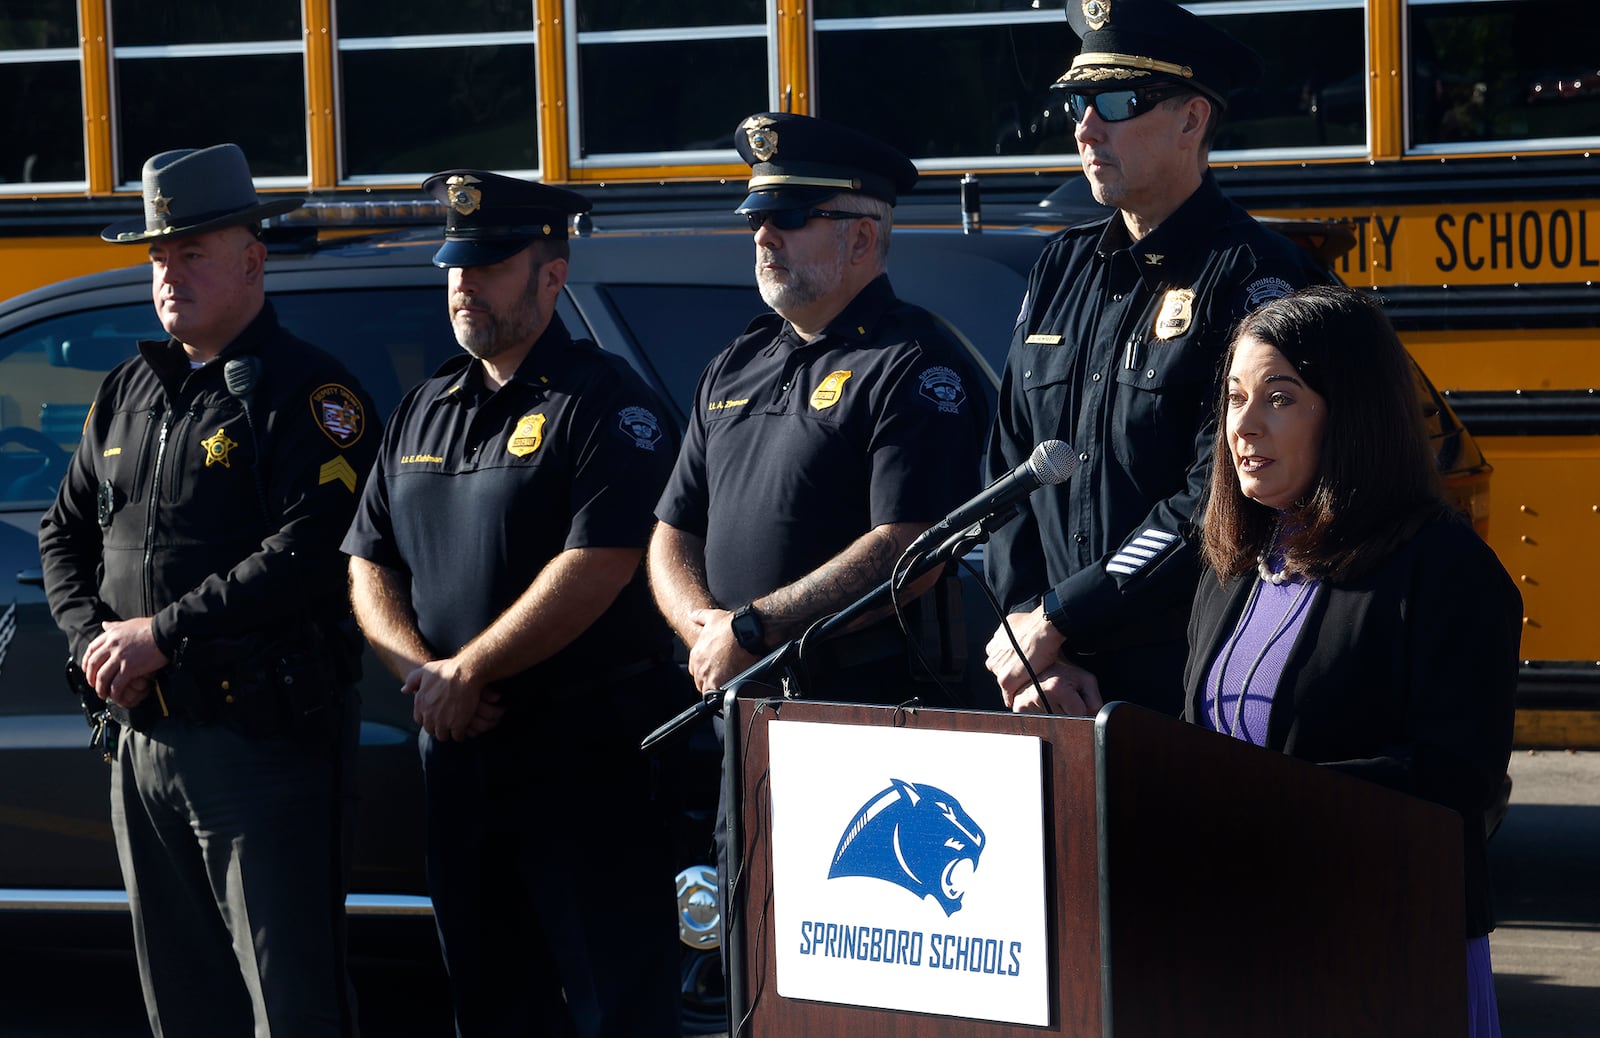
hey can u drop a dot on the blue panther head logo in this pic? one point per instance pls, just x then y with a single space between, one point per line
918 837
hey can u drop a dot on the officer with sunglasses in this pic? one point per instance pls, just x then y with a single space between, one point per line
1116 350
826 437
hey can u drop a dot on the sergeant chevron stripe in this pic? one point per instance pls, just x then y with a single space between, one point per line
1141 551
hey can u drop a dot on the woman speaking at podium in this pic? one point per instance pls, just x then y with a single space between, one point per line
1348 616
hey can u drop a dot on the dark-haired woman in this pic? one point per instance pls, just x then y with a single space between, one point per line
1348 617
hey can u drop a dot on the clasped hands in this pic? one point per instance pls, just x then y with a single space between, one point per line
1066 687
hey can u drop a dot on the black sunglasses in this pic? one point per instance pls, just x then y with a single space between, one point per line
794 219
1115 106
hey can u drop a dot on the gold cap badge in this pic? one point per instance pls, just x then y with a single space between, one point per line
1097 13
763 138
463 197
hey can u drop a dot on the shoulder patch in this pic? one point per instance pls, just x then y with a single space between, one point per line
1265 290
943 386
641 426
339 414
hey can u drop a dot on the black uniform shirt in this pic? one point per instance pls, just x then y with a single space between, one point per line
475 491
180 506
796 449
1118 351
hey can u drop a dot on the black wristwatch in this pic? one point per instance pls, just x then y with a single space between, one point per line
748 630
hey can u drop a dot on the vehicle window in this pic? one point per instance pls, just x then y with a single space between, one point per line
679 328
49 372
41 118
389 338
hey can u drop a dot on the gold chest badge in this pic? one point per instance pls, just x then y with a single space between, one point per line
527 436
828 393
217 448
1176 314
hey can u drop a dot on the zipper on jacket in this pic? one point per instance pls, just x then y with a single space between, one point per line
150 514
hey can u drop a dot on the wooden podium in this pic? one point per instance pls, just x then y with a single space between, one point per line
1196 885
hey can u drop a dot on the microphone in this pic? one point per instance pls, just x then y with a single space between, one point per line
1051 462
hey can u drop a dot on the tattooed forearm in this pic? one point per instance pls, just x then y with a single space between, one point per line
789 610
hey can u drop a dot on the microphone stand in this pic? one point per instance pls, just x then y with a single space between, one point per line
791 653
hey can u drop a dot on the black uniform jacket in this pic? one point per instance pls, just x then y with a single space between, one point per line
214 521
1405 677
1117 351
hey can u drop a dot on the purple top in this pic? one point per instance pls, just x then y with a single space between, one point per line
1254 656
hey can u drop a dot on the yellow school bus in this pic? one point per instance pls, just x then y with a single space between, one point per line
1457 138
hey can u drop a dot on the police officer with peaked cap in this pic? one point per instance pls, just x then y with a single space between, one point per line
192 558
846 420
495 568
823 439
1116 350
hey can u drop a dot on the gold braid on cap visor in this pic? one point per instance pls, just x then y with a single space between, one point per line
1127 63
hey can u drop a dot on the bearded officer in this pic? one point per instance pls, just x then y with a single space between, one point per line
495 567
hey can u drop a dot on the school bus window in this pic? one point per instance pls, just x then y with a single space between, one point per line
213 62
603 15
1505 71
41 117
1313 94
943 86
715 56
886 8
213 91
464 103
717 82
155 23
357 18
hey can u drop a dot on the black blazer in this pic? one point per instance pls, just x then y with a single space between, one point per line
1405 677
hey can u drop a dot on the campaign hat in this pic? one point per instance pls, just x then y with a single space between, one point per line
1135 43
800 160
194 190
490 217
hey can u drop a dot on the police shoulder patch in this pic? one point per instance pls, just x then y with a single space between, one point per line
943 386
1265 290
641 426
339 414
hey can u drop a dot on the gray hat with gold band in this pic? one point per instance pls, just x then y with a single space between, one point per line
191 191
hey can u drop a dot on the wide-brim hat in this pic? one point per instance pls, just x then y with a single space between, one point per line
799 160
490 217
1134 43
191 191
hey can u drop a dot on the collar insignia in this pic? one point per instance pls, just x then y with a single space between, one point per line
831 389
217 448
527 436
1176 314
763 138
1153 259
339 414
463 197
1097 13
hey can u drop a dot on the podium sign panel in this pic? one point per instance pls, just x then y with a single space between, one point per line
911 866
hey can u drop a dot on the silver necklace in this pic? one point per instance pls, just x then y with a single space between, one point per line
1233 640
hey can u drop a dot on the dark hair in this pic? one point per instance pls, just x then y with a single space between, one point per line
1377 478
